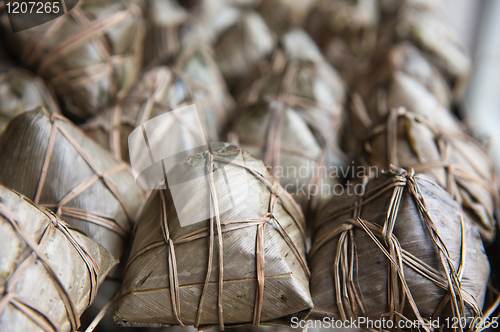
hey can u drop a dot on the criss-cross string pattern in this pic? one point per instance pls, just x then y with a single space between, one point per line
218 227
120 69
348 298
137 107
100 219
32 310
456 174
287 101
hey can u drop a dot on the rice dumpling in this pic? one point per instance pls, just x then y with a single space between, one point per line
168 28
193 79
408 80
291 118
48 159
401 251
452 160
231 253
20 90
346 31
89 55
401 78
425 27
239 36
49 273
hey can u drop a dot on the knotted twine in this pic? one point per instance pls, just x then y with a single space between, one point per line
300 91
23 304
221 227
465 302
163 89
454 160
88 59
423 25
65 206
89 216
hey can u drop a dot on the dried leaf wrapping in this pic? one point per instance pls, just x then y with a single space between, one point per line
193 79
239 36
282 15
175 275
346 30
89 55
49 274
452 160
53 163
403 77
168 28
423 26
20 90
291 118
400 247
404 61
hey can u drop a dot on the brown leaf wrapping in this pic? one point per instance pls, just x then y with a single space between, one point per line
452 160
175 275
401 71
89 55
49 274
239 36
169 27
423 25
346 30
52 162
20 90
291 118
282 15
403 77
397 251
193 79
